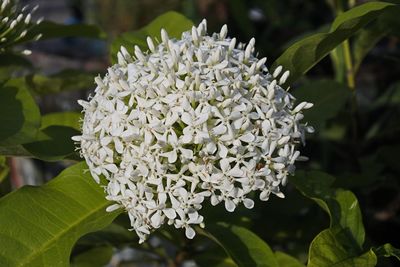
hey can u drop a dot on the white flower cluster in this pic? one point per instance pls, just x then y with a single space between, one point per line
194 119
15 23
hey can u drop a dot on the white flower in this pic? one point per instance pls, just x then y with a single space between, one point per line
192 120
15 24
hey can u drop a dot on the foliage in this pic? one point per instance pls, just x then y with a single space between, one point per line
353 157
304 54
39 225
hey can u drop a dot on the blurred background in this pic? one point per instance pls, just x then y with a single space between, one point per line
370 168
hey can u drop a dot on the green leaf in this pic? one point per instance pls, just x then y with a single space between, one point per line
388 23
341 205
359 14
174 23
387 250
19 116
67 80
14 151
114 234
54 143
332 248
51 144
69 119
329 98
4 169
304 54
242 245
315 185
365 40
345 211
285 260
214 256
94 257
39 225
50 30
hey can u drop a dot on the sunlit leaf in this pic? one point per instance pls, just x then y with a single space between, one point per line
285 260
333 248
69 119
39 225
341 205
304 54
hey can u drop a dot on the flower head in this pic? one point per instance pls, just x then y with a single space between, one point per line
15 23
191 120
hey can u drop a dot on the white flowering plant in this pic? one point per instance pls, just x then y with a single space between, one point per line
190 149
194 119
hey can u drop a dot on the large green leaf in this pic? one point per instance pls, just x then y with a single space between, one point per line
285 260
173 22
39 225
341 244
332 248
19 116
54 143
242 245
68 118
341 205
304 54
328 97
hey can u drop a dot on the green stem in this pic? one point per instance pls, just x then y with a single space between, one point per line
349 65
340 6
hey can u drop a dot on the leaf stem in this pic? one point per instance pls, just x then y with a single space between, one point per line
350 75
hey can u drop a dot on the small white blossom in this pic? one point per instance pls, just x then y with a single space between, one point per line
191 120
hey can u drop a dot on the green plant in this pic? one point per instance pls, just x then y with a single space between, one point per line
41 226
